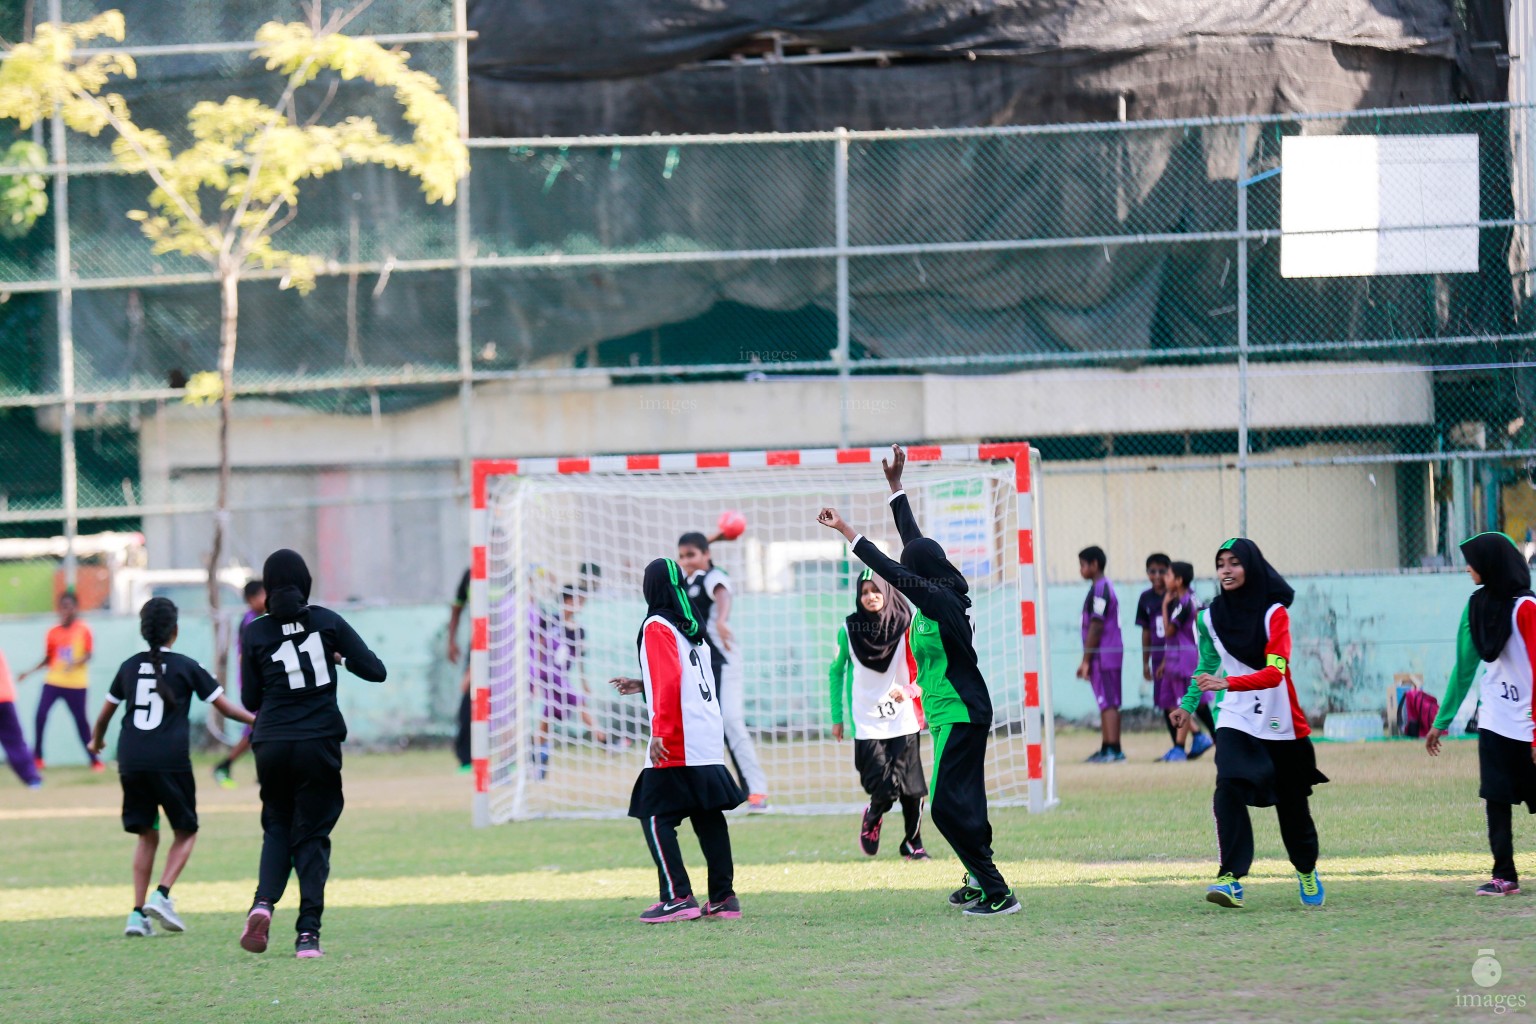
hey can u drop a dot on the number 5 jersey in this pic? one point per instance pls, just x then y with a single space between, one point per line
155 735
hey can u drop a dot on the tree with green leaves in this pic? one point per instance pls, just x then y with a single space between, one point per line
225 197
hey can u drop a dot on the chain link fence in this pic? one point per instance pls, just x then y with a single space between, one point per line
1307 328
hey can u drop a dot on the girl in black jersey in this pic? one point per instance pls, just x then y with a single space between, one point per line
152 760
289 677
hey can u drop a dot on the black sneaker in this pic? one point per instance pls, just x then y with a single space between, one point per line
914 851
728 908
307 946
1006 904
685 909
869 834
966 895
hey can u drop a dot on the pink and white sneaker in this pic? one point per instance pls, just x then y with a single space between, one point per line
257 923
1498 887
684 909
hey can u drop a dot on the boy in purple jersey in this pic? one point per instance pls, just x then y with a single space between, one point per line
1149 615
255 606
1181 653
1103 651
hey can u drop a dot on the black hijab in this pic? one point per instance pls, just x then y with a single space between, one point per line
1506 578
925 556
286 579
664 596
1239 614
874 636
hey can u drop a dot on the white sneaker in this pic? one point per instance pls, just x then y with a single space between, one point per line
138 926
162 909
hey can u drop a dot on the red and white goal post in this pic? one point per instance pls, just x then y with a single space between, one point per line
558 548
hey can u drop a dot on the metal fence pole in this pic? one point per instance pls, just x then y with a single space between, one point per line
66 304
1242 330
840 199
464 240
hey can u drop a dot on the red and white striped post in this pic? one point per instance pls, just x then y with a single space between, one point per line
479 631
1041 792
1031 625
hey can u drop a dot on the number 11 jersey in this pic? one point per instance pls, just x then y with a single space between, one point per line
289 676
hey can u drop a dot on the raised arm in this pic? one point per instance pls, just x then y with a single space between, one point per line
913 587
901 508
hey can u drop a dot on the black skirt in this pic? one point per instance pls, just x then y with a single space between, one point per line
896 762
1266 770
1508 774
684 791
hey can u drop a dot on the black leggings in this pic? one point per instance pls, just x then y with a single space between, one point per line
461 737
1501 839
1234 829
714 840
301 802
959 802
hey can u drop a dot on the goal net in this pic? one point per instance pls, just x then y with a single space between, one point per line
559 549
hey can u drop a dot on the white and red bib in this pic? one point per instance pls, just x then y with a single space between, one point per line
680 696
1273 713
1506 687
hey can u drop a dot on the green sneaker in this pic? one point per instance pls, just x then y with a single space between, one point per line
1311 889
1227 892
138 926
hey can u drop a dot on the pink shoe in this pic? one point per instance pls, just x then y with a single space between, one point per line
685 909
728 908
257 924
1498 887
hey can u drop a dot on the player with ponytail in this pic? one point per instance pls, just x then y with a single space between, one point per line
153 763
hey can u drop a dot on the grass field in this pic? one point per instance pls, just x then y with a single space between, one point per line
430 920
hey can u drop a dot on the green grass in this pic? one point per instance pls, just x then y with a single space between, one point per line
430 920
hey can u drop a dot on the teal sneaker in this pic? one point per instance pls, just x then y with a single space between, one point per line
138 926
163 910
1311 889
1227 892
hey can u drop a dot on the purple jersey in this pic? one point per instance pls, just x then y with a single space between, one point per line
1149 615
1103 604
1182 649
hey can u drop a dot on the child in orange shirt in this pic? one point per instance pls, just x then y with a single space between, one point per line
66 653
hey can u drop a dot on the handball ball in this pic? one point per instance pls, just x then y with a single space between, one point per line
732 524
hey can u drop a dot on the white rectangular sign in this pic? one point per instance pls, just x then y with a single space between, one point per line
1338 192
